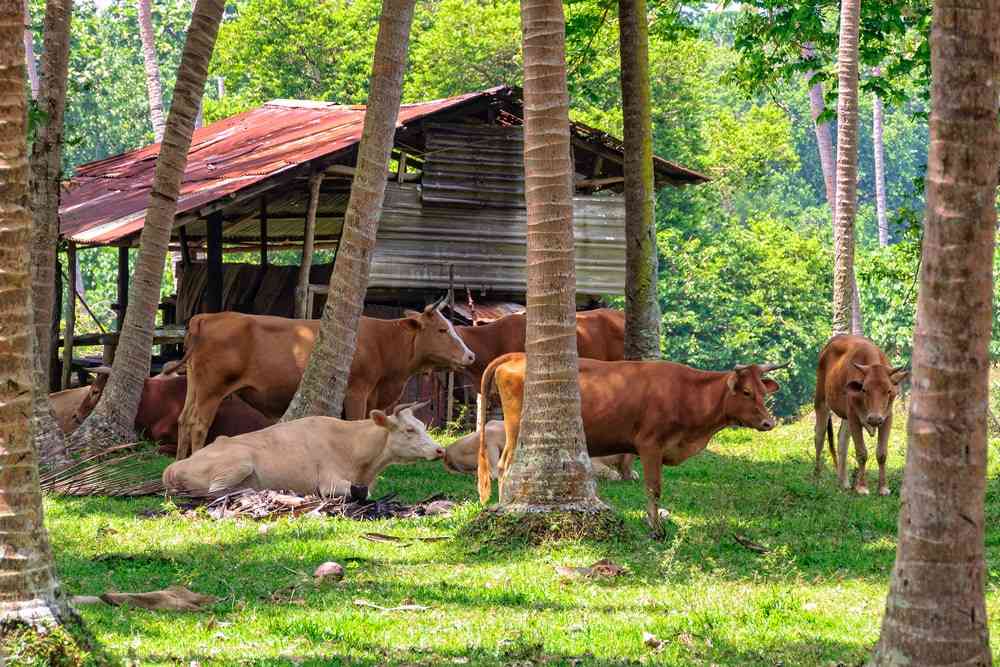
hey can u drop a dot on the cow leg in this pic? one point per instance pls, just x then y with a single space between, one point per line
626 467
843 434
882 453
861 483
822 421
512 429
356 404
652 469
199 423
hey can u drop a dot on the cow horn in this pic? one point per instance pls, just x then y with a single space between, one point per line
860 367
101 370
409 406
899 369
741 367
767 368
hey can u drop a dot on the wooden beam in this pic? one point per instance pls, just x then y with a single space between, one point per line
339 170
308 234
263 231
123 276
67 354
599 182
213 296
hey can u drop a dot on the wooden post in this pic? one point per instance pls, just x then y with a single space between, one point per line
185 248
213 297
263 231
55 376
70 307
451 316
123 276
309 234
401 171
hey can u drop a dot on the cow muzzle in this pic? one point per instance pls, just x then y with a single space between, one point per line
766 424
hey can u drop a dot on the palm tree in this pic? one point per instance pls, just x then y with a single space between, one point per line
936 608
879 149
29 591
111 421
847 167
642 306
551 470
29 52
334 350
46 178
153 87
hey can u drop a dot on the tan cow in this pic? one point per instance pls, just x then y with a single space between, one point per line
855 381
462 455
262 359
64 406
315 455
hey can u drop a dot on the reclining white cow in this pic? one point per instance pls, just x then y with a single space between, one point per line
315 455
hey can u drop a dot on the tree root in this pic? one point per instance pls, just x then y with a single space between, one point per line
68 644
504 526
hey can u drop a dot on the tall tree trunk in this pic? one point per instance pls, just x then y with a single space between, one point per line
847 166
153 87
29 591
642 306
551 470
112 420
824 138
46 183
324 382
878 148
936 608
29 52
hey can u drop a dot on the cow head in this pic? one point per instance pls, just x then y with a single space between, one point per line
871 391
435 341
408 439
89 402
747 387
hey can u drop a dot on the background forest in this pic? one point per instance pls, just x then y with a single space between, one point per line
745 261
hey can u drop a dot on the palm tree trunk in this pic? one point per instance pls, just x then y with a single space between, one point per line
324 382
46 178
551 470
936 608
153 87
879 150
847 167
642 306
29 52
824 139
112 420
29 591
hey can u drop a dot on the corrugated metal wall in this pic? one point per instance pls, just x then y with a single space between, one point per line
473 165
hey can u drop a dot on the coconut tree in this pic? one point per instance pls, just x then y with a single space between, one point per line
29 52
324 382
29 592
154 89
878 148
642 307
936 608
112 419
847 167
551 470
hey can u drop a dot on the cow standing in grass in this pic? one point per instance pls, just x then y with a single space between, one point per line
855 381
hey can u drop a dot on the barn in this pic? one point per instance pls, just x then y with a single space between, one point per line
278 177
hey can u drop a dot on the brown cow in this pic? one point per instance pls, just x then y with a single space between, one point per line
600 334
262 358
662 411
855 381
64 406
160 407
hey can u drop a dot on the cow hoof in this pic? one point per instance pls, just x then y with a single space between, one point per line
861 490
884 491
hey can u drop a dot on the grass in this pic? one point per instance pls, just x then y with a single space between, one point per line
816 597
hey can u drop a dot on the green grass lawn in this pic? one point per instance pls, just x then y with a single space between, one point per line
816 598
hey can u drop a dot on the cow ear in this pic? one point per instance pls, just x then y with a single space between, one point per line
855 386
899 376
383 420
412 323
731 381
770 386
410 313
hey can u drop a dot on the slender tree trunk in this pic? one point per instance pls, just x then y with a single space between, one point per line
153 87
824 138
29 591
112 420
879 150
847 166
551 470
29 52
305 266
936 607
324 382
46 178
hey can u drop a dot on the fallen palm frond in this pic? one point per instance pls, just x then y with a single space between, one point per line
123 470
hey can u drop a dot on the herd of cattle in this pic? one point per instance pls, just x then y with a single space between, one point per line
240 372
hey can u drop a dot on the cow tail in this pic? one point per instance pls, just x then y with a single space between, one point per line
483 469
829 439
190 341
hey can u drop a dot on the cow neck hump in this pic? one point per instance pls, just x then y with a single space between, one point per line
396 346
377 439
706 402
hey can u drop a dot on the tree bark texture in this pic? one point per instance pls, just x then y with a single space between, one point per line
551 469
847 167
29 591
324 382
878 148
824 138
936 609
154 89
112 420
29 52
302 293
642 306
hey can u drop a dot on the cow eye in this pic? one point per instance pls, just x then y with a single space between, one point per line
747 392
442 331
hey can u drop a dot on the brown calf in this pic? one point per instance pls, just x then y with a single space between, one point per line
664 412
855 381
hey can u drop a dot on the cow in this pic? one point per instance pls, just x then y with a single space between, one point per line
262 358
662 411
160 407
64 407
314 455
855 381
600 334
461 456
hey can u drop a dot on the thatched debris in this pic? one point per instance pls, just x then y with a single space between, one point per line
124 470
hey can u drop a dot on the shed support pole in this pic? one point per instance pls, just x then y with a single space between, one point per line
123 277
213 298
309 234
401 171
451 316
70 307
263 232
55 377
185 248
